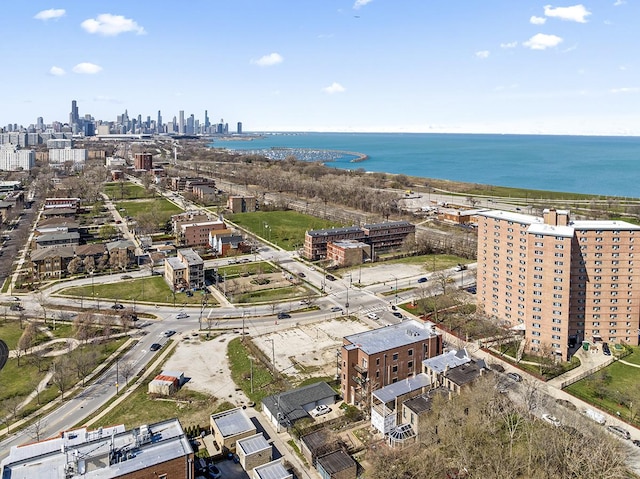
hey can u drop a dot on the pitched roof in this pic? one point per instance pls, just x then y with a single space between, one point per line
290 403
45 253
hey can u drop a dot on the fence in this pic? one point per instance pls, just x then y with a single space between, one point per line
589 372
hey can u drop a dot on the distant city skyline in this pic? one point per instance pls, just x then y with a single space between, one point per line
337 65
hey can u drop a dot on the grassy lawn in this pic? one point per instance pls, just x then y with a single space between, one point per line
614 389
233 271
21 380
164 207
191 407
283 228
430 262
264 384
124 190
283 294
153 289
633 358
10 332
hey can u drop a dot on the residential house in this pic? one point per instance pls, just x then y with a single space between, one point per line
51 262
230 426
284 409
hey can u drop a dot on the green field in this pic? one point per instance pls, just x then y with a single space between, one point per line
283 228
613 389
163 207
153 289
124 191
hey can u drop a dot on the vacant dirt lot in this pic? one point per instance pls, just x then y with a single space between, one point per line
300 352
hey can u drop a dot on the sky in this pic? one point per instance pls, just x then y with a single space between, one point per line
491 66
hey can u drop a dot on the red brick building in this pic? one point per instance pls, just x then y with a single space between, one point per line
143 161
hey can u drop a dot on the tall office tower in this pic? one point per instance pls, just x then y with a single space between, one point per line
560 281
139 121
74 116
181 125
40 123
148 122
207 124
159 123
191 125
174 126
239 129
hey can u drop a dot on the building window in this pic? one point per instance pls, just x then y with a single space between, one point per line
395 356
394 369
410 352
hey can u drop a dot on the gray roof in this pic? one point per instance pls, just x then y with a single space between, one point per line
130 451
190 256
44 253
392 337
334 231
388 224
272 470
71 235
290 403
232 422
450 359
121 244
336 461
253 444
464 374
175 263
316 439
418 404
400 388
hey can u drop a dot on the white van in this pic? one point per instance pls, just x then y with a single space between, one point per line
596 416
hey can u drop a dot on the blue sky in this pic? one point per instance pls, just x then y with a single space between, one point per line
329 65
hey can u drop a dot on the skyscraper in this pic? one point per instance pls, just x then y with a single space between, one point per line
159 128
207 124
239 130
181 125
74 116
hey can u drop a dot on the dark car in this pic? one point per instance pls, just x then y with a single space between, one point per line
514 376
422 280
16 307
155 347
301 274
636 442
605 349
397 314
284 315
117 306
330 277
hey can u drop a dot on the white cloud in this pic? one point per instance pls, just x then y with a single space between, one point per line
482 54
87 68
509 45
52 13
111 25
361 3
542 41
268 60
617 3
537 20
334 88
56 71
625 90
575 13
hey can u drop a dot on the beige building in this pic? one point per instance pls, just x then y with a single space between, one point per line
230 426
186 270
242 204
559 280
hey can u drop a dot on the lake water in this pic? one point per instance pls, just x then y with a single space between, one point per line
581 164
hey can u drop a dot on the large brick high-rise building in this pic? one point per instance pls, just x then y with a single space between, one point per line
561 280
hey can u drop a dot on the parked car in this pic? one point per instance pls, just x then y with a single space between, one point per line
636 442
155 347
595 415
182 315
551 420
126 276
618 431
282 315
213 471
372 316
514 376
117 306
605 349
320 410
460 267
422 280
301 274
16 307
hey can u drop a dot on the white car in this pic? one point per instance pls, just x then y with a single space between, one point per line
372 316
554 421
320 410
182 315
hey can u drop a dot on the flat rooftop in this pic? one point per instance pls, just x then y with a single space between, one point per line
253 444
232 422
392 337
102 454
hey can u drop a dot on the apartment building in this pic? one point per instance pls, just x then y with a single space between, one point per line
373 359
561 281
159 450
186 270
379 236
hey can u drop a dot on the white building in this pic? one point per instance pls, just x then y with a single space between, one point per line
59 143
59 156
12 159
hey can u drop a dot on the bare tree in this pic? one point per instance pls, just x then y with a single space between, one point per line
36 429
10 409
126 369
61 374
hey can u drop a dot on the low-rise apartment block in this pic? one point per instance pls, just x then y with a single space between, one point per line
185 271
379 236
561 281
373 359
